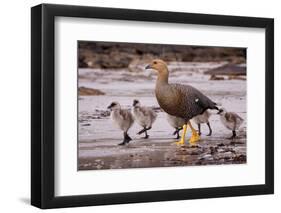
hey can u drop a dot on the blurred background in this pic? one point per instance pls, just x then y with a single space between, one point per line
122 55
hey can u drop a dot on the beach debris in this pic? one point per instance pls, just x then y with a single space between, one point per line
216 78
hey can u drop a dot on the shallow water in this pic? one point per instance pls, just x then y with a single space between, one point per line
98 137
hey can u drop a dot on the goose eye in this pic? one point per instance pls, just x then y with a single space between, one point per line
154 62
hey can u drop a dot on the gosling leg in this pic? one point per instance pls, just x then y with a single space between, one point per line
210 129
199 129
233 135
179 129
177 132
126 139
144 130
146 135
195 136
181 142
123 142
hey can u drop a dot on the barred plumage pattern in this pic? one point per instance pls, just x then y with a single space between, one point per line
182 100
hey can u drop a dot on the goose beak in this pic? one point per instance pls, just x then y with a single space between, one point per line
220 111
135 102
148 67
109 107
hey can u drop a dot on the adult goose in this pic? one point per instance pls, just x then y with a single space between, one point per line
179 100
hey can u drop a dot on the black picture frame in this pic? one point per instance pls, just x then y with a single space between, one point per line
43 105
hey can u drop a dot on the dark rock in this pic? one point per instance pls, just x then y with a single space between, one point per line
194 146
213 150
240 158
81 62
229 69
214 77
84 91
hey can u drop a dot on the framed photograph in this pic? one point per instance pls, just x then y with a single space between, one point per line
136 106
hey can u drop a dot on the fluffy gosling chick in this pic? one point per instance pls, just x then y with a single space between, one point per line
231 121
123 119
203 118
175 122
144 116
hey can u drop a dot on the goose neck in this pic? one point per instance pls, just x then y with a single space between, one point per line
163 78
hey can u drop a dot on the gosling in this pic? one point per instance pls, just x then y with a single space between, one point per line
144 116
231 121
123 119
175 122
203 118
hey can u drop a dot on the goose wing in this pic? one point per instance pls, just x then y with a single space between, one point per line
148 112
126 115
191 102
153 115
230 117
144 111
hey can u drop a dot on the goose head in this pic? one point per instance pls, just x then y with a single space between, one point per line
159 65
136 103
222 111
114 106
161 68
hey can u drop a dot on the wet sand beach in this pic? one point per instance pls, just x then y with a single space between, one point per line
98 137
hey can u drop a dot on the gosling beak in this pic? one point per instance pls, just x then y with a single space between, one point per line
220 111
109 107
148 67
135 102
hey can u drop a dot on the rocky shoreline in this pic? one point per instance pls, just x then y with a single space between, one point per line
108 55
